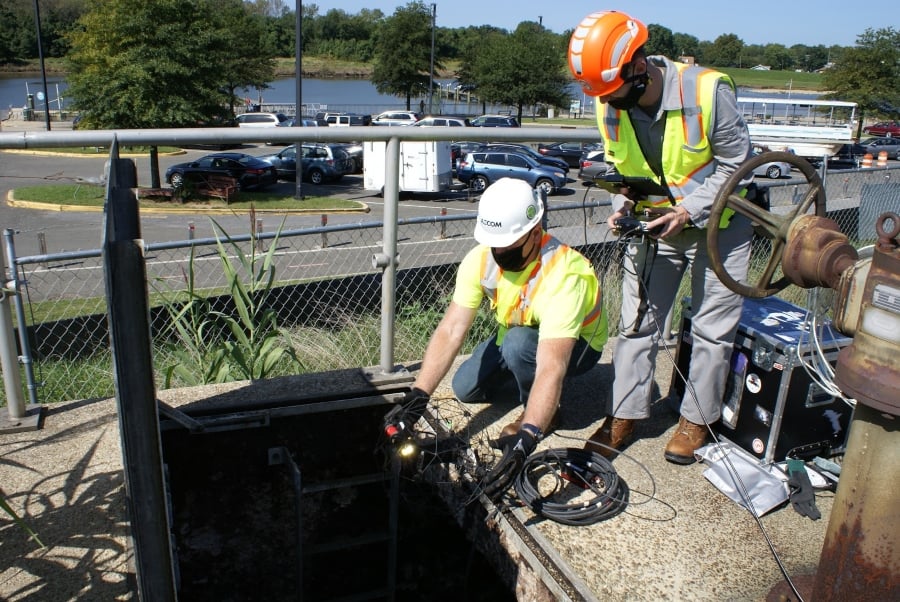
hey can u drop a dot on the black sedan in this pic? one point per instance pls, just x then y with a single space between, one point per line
249 171
570 152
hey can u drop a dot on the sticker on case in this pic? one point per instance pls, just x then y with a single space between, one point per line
754 383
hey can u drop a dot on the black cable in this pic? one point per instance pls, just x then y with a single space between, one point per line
573 472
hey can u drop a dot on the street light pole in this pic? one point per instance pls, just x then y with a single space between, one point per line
37 24
431 70
298 111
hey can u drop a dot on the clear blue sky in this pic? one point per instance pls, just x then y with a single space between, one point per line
788 22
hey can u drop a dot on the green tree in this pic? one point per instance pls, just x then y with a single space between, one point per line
869 73
523 69
686 45
402 59
778 57
661 41
725 51
244 35
159 63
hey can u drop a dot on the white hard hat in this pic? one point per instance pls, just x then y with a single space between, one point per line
507 210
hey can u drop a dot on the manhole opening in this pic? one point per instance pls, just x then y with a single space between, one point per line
237 533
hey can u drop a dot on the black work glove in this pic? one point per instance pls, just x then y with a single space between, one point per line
802 495
414 403
515 449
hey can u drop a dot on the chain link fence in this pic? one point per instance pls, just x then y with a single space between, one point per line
327 291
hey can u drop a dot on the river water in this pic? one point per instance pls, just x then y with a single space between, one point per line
355 95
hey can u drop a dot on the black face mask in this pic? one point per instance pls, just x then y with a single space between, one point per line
512 260
630 100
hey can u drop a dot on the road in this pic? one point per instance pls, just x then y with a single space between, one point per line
71 231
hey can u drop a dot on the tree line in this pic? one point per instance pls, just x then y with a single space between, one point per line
170 63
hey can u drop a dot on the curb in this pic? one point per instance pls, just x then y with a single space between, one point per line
12 202
37 153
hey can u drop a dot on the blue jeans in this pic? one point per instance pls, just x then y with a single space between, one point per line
505 372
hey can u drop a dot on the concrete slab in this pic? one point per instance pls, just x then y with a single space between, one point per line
679 539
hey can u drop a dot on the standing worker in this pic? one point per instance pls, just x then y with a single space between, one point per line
546 299
679 126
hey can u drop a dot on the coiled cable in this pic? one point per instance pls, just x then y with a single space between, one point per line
566 475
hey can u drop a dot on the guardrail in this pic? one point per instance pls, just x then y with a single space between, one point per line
366 256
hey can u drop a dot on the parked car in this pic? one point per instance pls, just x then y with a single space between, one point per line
525 149
396 118
481 168
347 119
883 128
321 163
432 122
773 170
591 165
495 121
570 152
305 122
261 120
250 172
889 145
355 151
848 155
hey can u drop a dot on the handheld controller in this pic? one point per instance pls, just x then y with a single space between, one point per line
632 225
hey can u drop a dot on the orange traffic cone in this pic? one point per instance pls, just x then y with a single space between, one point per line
867 161
882 159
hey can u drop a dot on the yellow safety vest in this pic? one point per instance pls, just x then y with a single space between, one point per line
687 158
520 313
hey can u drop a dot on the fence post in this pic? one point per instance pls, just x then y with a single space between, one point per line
324 235
12 379
24 342
443 232
259 229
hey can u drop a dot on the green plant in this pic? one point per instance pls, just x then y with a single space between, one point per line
190 338
8 509
207 345
257 344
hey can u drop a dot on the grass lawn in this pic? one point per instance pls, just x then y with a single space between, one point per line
88 195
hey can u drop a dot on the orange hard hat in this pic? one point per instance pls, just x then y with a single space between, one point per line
600 46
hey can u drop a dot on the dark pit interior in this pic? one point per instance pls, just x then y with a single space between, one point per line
238 535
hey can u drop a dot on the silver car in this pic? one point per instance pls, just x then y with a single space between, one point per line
773 169
889 145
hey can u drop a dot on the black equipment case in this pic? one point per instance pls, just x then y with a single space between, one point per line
772 407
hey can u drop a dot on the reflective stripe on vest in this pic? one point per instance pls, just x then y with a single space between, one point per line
687 159
552 252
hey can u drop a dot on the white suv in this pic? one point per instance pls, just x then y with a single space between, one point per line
261 120
433 122
395 118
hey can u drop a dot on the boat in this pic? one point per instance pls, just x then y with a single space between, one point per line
811 129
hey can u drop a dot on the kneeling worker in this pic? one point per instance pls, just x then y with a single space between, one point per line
548 304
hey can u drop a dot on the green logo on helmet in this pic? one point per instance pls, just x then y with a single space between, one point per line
530 212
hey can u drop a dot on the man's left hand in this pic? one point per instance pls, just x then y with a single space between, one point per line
515 449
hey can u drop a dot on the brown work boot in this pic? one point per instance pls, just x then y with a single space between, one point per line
687 438
513 427
615 434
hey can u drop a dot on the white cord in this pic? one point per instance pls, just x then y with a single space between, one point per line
816 364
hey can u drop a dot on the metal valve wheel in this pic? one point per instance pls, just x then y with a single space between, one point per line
771 226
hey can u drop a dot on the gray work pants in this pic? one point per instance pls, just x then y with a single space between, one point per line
715 313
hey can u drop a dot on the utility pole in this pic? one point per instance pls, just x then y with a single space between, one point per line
298 111
431 71
37 24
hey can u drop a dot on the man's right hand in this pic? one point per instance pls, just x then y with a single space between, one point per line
415 400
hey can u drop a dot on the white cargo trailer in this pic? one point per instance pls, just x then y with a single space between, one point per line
424 166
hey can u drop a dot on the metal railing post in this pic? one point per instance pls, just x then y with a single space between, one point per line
24 343
12 380
387 260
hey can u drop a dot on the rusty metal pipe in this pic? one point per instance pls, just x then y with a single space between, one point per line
860 558
817 252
